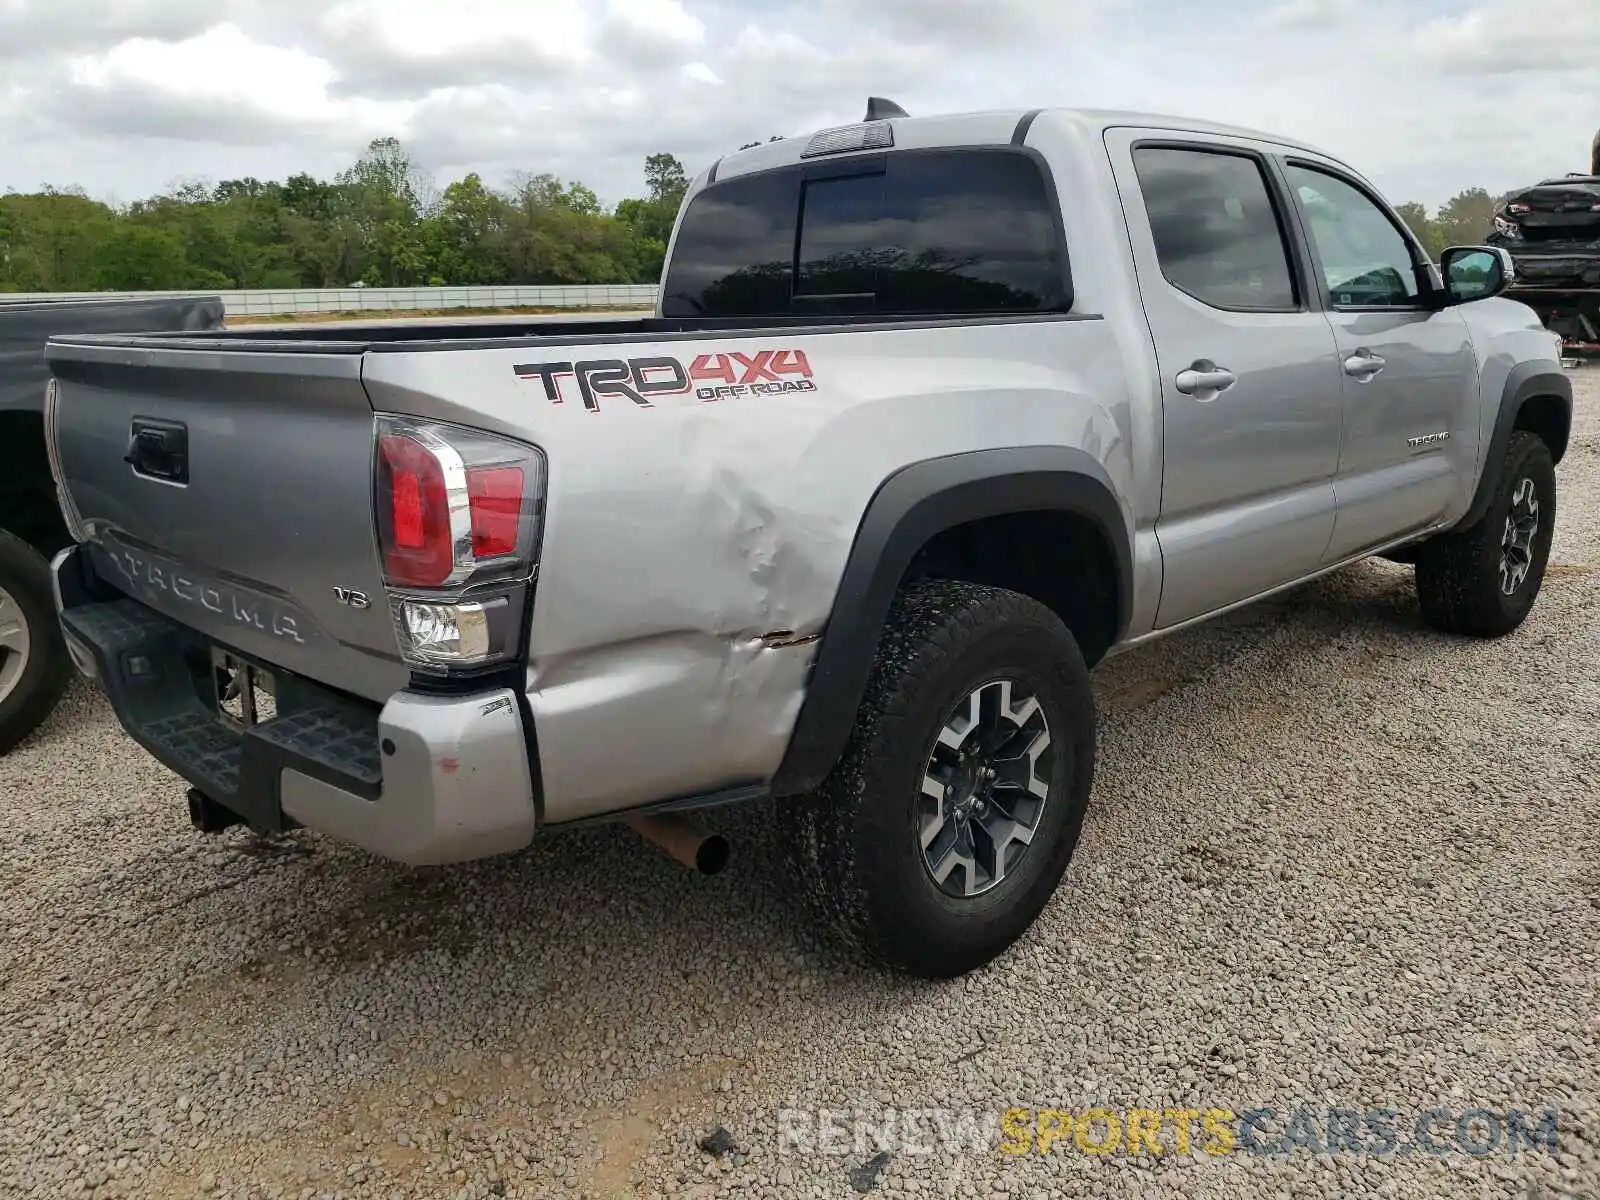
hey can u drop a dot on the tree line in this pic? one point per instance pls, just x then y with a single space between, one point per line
1463 221
382 222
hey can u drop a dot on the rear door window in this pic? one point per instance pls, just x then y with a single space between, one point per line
1217 232
913 232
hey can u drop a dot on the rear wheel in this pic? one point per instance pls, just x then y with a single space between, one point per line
1482 581
948 823
34 668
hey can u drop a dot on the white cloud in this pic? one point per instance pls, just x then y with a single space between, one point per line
1511 37
29 29
218 64
219 84
430 31
1308 14
122 96
658 20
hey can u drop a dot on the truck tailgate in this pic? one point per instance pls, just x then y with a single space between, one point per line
247 514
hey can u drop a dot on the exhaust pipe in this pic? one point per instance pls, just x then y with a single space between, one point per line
694 848
206 815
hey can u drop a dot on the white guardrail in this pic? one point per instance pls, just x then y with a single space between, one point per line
268 302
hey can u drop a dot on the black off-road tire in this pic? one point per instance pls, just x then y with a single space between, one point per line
25 577
1458 573
855 842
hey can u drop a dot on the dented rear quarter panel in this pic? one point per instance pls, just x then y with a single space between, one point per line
692 548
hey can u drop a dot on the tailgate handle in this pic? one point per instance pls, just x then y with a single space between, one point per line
159 449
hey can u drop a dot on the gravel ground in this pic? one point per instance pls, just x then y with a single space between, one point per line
1334 861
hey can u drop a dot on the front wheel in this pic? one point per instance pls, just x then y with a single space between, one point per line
947 825
34 668
1482 581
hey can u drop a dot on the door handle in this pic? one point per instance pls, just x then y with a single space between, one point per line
1204 380
159 449
1363 365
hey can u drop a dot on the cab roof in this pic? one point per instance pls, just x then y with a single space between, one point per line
988 127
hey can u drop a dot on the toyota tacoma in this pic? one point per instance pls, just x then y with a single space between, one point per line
933 415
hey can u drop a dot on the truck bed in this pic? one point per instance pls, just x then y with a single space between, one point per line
25 326
749 448
456 334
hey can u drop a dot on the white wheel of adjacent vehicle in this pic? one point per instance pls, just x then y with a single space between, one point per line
34 668
15 643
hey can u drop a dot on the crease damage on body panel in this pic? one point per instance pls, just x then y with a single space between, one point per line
765 623
746 637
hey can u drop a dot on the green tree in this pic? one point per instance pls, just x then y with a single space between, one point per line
1468 218
665 179
52 240
1427 230
650 218
467 236
140 258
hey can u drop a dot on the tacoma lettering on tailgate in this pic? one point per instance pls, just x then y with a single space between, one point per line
167 585
720 376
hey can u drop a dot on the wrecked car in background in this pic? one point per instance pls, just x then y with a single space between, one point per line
1553 233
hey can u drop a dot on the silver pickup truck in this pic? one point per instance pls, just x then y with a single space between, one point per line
935 413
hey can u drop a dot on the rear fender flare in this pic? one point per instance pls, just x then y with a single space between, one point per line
910 507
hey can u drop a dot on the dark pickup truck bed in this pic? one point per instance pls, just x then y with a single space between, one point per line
33 661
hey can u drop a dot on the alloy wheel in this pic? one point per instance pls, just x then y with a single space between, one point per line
984 788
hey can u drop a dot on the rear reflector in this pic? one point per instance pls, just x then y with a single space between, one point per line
494 495
407 511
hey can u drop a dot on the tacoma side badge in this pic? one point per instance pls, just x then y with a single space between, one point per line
1428 439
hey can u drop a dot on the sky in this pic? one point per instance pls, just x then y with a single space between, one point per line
127 98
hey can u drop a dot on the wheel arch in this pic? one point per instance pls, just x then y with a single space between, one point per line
1536 399
910 510
28 507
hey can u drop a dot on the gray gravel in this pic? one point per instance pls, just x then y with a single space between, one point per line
1334 860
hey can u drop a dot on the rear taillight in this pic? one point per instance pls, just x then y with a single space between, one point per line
1507 229
495 497
419 549
458 514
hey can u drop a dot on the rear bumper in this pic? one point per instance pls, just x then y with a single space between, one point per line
424 779
1552 266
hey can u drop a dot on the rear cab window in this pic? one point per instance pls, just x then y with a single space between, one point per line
907 233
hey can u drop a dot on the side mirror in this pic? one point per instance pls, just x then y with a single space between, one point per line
1475 273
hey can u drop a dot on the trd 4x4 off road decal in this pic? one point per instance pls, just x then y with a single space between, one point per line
709 377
